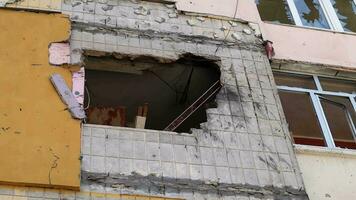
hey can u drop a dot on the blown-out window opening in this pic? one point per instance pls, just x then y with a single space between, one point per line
144 92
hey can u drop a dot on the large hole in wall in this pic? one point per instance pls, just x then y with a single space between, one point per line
150 93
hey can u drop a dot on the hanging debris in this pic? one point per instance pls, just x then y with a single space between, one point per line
67 97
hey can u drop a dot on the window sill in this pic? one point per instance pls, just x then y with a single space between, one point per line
311 28
133 129
324 151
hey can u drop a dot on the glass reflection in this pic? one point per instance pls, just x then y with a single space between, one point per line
275 11
311 13
346 12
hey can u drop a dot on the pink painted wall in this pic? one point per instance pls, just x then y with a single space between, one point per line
246 8
290 42
310 45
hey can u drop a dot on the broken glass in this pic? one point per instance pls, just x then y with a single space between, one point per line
346 12
311 13
275 11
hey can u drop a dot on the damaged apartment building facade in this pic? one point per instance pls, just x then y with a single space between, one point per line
177 99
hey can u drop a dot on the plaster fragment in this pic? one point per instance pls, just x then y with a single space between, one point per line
4 2
247 31
59 53
142 11
192 22
232 23
223 28
172 15
143 24
236 36
76 3
107 7
255 28
160 19
202 19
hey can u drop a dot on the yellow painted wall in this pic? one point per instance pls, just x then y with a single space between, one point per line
39 141
328 174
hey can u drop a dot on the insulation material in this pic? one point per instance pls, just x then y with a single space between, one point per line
67 97
59 53
78 80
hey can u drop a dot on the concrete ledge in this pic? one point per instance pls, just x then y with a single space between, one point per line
324 151
134 129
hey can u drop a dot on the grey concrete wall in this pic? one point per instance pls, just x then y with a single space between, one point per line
243 151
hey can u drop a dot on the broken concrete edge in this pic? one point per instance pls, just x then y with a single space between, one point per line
173 36
120 56
137 181
13 6
65 44
133 57
3 3
314 68
256 28
67 97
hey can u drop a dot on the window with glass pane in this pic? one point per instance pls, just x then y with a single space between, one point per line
311 13
275 11
319 116
338 85
341 118
294 80
346 12
301 118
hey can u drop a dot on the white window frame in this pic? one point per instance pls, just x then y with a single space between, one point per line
328 10
314 95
